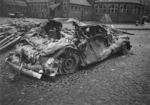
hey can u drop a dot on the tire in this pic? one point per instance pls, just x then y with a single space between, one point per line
70 64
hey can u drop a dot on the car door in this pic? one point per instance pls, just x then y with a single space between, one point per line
94 50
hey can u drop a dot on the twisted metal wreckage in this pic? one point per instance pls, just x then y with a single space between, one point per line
51 50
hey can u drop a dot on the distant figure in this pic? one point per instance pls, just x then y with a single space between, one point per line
144 18
137 22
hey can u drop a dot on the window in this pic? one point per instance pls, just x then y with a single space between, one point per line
124 9
75 8
121 9
142 10
104 9
116 9
58 8
79 8
86 9
72 7
112 9
96 8
96 11
100 6
65 8
135 10
138 10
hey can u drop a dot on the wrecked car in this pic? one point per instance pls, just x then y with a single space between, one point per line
39 54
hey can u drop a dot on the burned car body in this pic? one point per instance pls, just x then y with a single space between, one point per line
39 54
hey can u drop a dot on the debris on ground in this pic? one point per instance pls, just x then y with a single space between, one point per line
49 49
12 32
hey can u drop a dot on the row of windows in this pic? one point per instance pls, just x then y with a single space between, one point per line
38 7
17 8
121 9
79 8
39 10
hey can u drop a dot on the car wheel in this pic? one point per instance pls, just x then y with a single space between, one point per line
70 64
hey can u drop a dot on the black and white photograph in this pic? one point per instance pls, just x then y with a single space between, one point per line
74 52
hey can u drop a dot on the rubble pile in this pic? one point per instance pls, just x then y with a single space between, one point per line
51 50
12 32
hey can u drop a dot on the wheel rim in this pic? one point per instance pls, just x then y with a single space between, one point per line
70 64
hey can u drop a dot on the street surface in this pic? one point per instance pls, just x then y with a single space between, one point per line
119 80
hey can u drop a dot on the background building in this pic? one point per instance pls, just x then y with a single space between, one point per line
79 9
38 8
120 11
1 5
147 6
13 6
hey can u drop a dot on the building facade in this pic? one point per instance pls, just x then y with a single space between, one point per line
1 9
13 6
147 4
120 11
79 9
38 8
